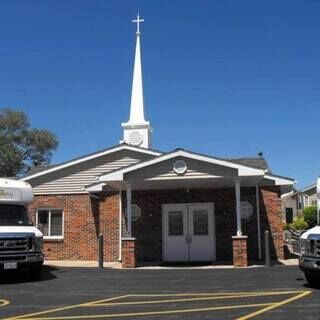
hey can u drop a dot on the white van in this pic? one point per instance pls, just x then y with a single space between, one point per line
21 243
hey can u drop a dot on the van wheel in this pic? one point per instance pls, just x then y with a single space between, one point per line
312 278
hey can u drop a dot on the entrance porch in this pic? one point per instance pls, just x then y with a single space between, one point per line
196 225
184 207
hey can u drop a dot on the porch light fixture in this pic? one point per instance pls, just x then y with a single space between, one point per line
180 167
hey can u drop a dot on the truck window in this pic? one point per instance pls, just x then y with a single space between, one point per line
13 215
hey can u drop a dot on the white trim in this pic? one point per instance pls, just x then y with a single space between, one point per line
181 177
49 223
90 157
243 170
49 193
238 206
129 209
291 193
280 181
308 188
98 186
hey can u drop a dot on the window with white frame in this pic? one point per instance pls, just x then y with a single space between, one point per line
50 222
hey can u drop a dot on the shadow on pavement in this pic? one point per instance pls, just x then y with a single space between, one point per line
23 275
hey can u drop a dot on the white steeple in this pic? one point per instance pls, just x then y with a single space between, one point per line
137 130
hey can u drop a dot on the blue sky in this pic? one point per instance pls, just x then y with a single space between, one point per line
226 78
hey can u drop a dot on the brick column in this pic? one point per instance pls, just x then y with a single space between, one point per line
128 252
240 254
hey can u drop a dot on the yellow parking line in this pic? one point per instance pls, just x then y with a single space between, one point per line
275 305
209 293
188 299
4 302
199 297
24 316
153 313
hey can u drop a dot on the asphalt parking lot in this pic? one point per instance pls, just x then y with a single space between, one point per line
89 293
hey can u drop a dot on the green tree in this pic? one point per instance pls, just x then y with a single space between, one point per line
310 215
22 147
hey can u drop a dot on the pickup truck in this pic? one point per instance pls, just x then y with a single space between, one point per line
21 243
310 255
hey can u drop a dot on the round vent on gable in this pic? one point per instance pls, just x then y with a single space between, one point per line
180 167
135 138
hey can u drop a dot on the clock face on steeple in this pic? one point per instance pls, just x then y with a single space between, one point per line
135 138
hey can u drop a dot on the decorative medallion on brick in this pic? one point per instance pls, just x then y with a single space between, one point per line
246 209
135 212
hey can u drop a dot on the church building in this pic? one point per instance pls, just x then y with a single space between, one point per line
156 207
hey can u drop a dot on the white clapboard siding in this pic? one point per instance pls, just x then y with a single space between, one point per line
75 178
195 168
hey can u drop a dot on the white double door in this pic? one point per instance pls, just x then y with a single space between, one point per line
188 232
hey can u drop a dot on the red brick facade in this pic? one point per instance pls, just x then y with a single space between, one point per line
128 253
240 251
81 226
85 217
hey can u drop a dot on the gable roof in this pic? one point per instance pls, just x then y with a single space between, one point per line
36 172
249 170
257 162
308 188
260 168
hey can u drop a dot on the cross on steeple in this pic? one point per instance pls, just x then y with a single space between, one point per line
137 130
137 21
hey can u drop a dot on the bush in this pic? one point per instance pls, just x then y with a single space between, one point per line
286 226
310 216
299 224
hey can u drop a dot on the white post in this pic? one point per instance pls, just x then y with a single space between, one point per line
129 217
258 222
120 224
238 206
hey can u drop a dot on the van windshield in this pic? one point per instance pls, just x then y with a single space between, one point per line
13 215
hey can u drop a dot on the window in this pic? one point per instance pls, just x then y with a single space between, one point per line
289 215
175 223
50 222
200 223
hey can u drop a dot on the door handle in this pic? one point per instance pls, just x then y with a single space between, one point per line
188 238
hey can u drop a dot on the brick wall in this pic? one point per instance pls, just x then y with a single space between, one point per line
109 224
81 226
85 217
271 219
240 251
128 253
148 229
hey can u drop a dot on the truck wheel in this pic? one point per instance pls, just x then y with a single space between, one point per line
35 271
312 279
